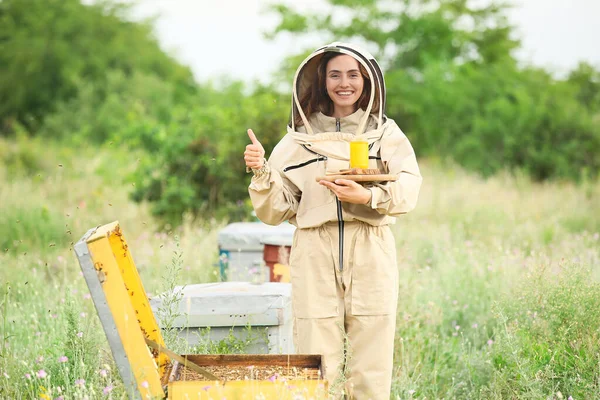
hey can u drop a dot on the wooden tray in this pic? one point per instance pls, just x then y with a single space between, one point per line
358 175
359 178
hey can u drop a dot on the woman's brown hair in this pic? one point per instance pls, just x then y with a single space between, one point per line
316 98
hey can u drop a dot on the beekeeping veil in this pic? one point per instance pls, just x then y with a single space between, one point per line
306 77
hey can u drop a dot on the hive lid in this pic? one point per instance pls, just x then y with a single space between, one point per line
240 236
123 308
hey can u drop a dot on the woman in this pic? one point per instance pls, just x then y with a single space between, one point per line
343 260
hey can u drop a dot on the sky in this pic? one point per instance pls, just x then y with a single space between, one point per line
225 37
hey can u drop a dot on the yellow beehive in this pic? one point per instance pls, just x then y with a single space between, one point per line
129 324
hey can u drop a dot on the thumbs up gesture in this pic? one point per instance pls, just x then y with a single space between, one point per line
255 153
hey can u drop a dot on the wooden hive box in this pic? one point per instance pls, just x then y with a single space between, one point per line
130 326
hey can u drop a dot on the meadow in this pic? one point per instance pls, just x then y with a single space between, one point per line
499 296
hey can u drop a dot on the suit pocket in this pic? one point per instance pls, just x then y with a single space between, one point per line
374 287
312 275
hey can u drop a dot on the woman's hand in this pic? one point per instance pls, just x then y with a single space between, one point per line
255 153
348 191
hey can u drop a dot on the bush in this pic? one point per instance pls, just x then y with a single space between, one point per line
490 118
196 163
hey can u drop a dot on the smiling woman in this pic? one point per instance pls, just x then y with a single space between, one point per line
343 263
342 82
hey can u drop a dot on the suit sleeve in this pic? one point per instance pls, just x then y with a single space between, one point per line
400 196
274 197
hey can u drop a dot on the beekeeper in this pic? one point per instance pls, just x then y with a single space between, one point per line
343 265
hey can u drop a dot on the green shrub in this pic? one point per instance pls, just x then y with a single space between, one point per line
196 163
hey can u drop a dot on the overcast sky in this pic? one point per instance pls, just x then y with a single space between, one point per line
224 37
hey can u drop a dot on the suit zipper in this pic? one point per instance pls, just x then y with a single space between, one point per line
320 157
304 164
340 219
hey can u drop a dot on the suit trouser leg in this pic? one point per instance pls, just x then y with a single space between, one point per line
318 302
371 343
361 306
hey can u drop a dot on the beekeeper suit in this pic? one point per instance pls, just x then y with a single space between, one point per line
343 265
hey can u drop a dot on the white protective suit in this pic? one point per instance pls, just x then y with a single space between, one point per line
343 264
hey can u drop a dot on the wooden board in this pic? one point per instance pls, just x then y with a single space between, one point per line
296 360
359 178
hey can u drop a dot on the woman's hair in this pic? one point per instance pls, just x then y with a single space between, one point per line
316 98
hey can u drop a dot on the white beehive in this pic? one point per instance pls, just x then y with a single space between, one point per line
236 306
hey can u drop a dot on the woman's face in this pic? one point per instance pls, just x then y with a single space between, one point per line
344 84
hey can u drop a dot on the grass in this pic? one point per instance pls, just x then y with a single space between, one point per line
499 295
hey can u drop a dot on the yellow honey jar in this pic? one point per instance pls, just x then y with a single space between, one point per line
359 154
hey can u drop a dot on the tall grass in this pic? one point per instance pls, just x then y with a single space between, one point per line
499 288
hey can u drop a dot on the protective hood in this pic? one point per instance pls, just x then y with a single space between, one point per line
306 76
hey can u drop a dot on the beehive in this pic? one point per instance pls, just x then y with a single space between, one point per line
128 322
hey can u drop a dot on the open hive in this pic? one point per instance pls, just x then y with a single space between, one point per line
129 324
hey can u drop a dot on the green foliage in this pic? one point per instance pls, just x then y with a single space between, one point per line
171 297
454 86
195 165
550 336
24 227
493 117
233 343
48 47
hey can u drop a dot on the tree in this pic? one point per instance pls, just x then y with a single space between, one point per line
47 47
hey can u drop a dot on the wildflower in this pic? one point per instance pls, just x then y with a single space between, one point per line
60 398
205 388
145 384
28 376
490 342
6 375
54 316
274 378
41 374
80 382
570 397
412 391
457 327
82 315
63 359
474 326
103 373
107 389
79 334
87 296
39 359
